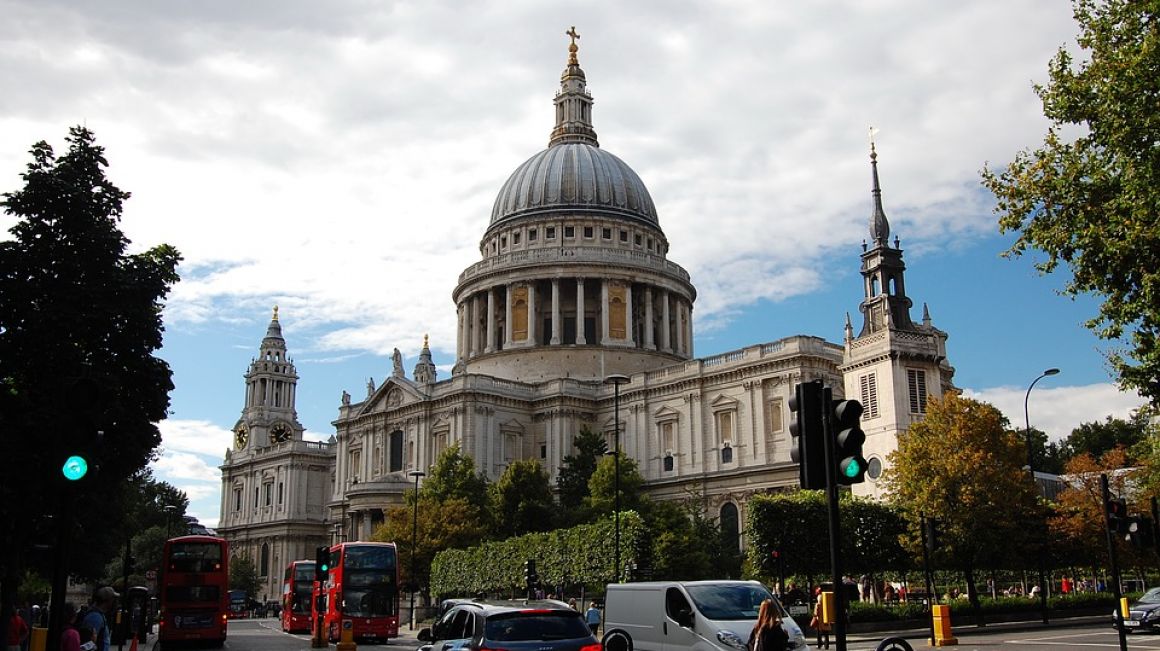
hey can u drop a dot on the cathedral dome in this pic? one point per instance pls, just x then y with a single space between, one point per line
572 176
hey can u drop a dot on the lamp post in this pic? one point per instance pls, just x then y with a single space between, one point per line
616 380
1034 484
169 510
414 541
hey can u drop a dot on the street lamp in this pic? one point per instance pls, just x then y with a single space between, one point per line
169 510
1034 484
616 380
414 538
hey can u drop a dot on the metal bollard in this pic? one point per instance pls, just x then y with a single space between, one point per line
942 626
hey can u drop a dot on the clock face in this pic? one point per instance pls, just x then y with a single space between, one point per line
279 433
240 437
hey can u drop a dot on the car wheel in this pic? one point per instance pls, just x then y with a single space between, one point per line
617 641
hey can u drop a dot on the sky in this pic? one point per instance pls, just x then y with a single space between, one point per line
340 160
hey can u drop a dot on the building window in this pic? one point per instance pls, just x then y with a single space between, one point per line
550 233
649 246
727 454
588 232
280 494
773 419
730 524
869 386
916 383
532 235
515 238
569 232
637 239
264 565
544 451
237 499
396 444
725 420
503 242
256 497
377 461
667 433
606 233
668 463
624 237
269 490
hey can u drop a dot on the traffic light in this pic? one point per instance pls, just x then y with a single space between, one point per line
531 577
75 468
1117 511
846 424
321 563
1140 532
808 449
931 535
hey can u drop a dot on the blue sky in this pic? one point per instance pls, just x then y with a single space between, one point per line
341 161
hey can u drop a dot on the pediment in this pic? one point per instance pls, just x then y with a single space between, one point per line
666 413
395 392
723 402
513 426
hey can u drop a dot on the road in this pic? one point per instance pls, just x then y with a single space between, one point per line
991 638
267 635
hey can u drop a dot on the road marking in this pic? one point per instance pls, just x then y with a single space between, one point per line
1056 640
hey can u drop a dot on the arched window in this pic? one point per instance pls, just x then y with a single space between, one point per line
874 286
730 525
264 567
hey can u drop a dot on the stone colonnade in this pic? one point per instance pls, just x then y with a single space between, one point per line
569 311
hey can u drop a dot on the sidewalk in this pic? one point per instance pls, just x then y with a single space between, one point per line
967 627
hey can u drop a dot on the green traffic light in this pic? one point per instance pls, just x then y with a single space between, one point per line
75 468
852 468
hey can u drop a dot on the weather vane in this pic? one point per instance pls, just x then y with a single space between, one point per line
873 132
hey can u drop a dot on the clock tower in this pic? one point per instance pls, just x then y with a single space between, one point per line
268 417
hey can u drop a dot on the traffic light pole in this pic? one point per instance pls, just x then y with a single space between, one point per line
835 524
1115 564
926 574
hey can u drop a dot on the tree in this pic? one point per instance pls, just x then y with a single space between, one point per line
1049 456
962 466
1089 197
453 476
602 486
577 469
80 320
244 576
522 499
1096 438
1078 521
451 524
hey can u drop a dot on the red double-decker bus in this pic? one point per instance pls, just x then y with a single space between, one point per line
194 590
362 586
297 586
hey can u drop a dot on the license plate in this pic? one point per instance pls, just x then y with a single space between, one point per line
1131 622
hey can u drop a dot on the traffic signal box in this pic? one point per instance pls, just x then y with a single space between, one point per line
1117 510
321 564
806 427
931 535
846 424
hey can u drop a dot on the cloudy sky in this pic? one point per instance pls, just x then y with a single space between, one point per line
340 160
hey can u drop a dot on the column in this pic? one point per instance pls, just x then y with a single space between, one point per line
477 331
532 313
649 342
461 313
489 347
467 348
666 323
689 328
555 312
604 311
680 349
628 333
507 324
580 312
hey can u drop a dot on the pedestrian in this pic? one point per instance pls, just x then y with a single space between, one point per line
97 619
70 637
767 633
592 616
572 603
17 631
820 628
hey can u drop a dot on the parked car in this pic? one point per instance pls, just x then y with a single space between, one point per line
1144 613
688 615
511 625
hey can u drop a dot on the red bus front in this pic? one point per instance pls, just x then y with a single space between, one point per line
297 585
363 587
193 590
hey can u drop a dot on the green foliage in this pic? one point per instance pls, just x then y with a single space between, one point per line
962 611
522 499
602 485
453 476
796 524
679 550
1089 197
453 523
577 469
1049 456
581 555
244 575
80 320
1096 438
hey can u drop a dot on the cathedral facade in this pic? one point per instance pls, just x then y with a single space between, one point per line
573 286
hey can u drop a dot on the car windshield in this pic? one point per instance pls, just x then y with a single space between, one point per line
524 626
1150 597
730 602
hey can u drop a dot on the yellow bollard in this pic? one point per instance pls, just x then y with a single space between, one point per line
942 627
39 639
1124 608
346 637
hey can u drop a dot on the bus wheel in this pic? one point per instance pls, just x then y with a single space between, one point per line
617 641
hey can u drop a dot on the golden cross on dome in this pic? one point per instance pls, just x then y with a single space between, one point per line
572 32
424 341
275 312
572 47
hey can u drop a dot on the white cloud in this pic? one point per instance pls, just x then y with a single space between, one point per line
1059 410
196 436
179 465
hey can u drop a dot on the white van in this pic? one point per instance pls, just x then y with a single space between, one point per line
687 616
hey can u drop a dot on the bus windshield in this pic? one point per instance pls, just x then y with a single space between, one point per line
368 588
195 557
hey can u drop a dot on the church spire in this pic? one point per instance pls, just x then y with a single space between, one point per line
573 102
879 226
